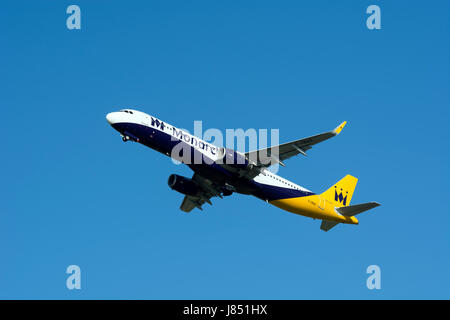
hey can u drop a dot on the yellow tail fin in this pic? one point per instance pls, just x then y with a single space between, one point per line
340 194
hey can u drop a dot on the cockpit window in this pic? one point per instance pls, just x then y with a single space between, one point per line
127 111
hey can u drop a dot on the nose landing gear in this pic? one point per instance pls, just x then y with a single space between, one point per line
125 138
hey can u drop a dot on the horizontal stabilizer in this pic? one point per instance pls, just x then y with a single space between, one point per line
350 211
327 225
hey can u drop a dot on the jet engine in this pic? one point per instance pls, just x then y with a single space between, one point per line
183 185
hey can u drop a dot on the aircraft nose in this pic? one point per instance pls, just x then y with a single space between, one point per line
110 118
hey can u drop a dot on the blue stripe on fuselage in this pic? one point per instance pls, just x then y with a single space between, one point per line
164 143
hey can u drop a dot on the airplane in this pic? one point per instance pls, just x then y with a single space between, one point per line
220 171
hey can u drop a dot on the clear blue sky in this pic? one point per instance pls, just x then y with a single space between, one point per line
73 193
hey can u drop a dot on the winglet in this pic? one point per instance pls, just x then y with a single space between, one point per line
339 128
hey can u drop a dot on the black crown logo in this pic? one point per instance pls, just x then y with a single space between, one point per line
339 197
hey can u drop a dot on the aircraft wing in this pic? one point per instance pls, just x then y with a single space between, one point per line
277 154
208 190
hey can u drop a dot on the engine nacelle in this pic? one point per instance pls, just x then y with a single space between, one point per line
183 185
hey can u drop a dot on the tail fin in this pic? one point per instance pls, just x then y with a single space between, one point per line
340 194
